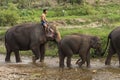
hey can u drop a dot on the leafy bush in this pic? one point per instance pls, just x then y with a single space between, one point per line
9 16
78 10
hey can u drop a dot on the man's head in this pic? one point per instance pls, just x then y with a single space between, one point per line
45 11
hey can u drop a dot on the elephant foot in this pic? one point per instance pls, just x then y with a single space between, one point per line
18 61
70 67
80 64
42 61
33 59
39 64
107 63
61 66
88 66
7 61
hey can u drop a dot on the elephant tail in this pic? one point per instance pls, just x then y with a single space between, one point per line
5 38
108 39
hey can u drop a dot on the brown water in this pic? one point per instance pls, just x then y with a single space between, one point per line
50 70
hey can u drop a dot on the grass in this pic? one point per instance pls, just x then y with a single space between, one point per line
102 31
2 32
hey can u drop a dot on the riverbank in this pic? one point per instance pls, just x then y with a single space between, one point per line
50 70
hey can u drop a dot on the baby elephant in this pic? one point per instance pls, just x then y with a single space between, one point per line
78 44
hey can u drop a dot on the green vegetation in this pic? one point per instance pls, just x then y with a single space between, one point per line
12 14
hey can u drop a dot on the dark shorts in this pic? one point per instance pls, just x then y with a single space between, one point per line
43 23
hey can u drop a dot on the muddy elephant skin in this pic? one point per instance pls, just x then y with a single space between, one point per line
28 36
78 44
113 44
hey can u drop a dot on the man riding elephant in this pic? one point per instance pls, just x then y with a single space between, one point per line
44 22
43 18
29 36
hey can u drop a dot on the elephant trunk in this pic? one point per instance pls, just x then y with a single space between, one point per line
58 37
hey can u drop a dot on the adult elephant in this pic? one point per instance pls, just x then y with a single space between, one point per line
29 36
78 44
114 45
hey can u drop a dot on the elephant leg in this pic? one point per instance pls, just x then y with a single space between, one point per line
108 60
36 52
61 58
109 56
119 58
61 61
69 54
88 59
17 56
83 60
42 53
69 62
8 54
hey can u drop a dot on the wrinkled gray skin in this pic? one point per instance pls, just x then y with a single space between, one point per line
29 36
78 44
113 44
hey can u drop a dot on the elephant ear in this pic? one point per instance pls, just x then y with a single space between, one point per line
52 26
94 41
50 33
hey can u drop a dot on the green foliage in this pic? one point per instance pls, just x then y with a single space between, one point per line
70 1
24 4
9 16
2 32
78 10
108 12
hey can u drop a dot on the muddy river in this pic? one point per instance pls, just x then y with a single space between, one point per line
50 70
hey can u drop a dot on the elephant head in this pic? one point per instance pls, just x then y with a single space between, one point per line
96 45
55 34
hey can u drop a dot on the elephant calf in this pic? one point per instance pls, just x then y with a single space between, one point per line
78 44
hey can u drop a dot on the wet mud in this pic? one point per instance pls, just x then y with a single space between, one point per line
49 70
